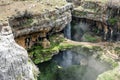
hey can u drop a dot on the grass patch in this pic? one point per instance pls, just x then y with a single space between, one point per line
91 38
112 21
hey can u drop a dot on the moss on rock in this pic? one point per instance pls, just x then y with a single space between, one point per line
110 75
38 54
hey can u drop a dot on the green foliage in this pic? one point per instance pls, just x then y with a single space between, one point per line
28 22
83 13
97 48
117 50
38 54
78 13
112 21
91 38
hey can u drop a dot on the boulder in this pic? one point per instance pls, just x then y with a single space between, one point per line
45 43
14 61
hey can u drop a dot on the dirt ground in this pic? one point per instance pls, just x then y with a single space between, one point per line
10 7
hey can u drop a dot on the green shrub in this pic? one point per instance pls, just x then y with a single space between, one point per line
91 38
117 50
39 54
112 21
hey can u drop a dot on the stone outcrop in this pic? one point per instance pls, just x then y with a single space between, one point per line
28 23
96 10
45 43
14 61
104 14
36 17
49 22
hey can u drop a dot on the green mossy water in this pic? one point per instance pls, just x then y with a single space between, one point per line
48 71
74 72
52 71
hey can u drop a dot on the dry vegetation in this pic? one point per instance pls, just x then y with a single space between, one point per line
10 7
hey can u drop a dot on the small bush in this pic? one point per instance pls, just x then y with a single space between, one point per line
112 21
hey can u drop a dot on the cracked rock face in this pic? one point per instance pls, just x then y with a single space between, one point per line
14 61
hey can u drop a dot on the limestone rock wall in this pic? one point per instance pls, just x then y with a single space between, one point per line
54 20
34 25
105 16
21 40
96 10
14 61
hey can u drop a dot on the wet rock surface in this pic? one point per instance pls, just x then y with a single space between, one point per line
105 16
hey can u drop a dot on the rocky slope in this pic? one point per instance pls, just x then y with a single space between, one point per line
48 21
103 15
96 10
14 61
35 18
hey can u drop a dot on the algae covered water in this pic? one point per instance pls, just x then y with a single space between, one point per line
72 65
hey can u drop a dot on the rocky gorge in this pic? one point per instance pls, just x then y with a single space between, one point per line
51 39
